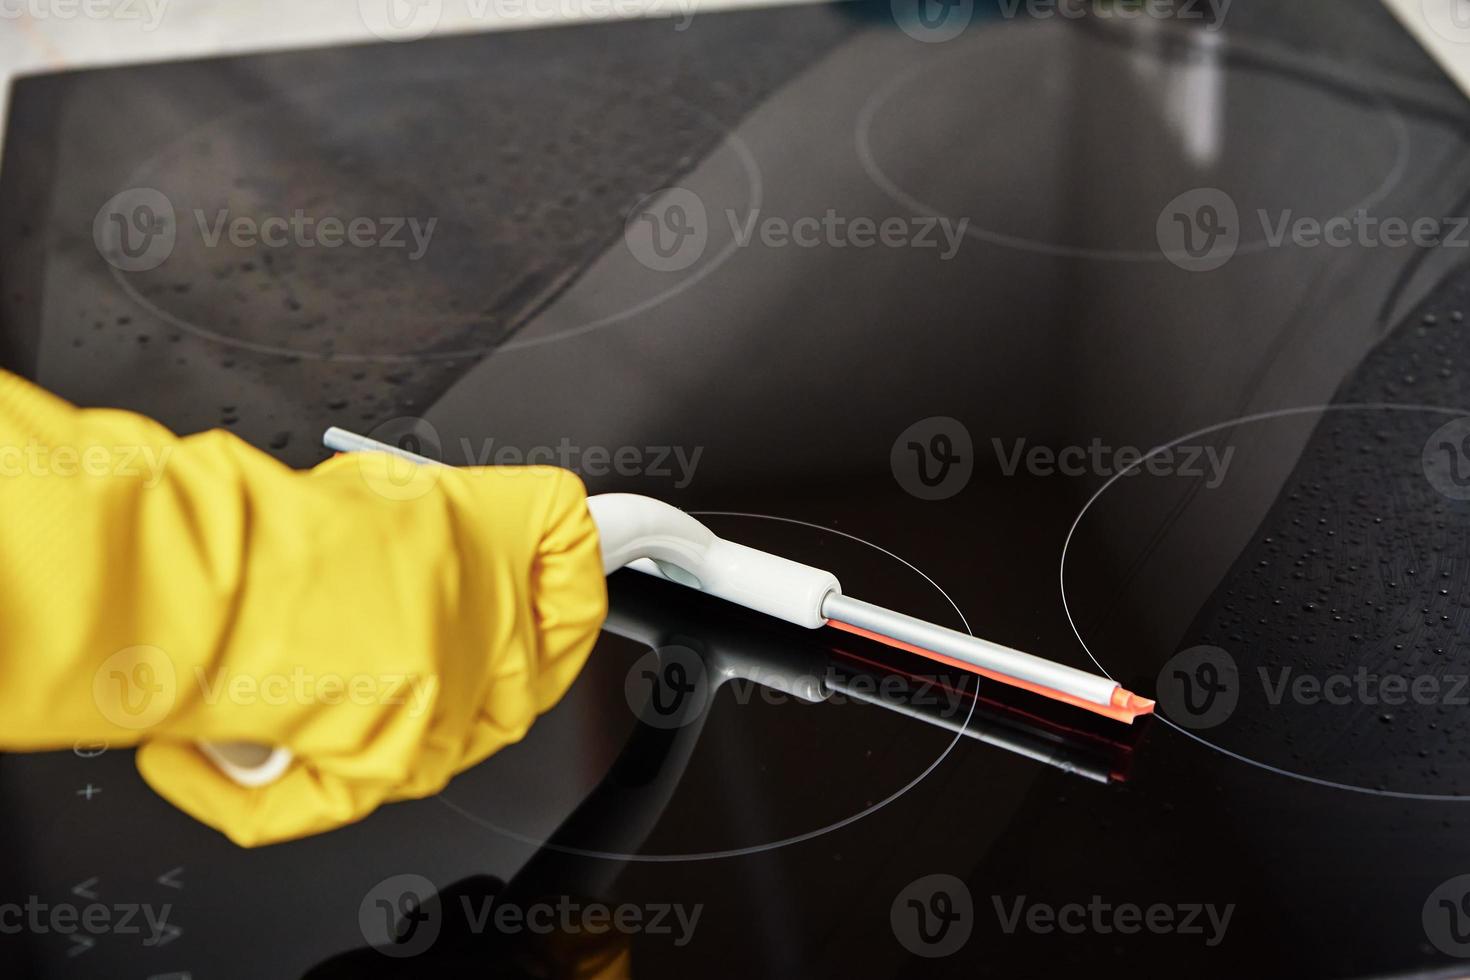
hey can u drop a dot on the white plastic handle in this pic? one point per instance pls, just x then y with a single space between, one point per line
654 537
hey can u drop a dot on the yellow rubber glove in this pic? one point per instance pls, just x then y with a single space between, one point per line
390 624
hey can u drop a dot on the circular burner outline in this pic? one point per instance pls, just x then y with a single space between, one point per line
754 198
1210 430
772 845
884 93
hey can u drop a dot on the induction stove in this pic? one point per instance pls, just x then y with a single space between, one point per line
1134 342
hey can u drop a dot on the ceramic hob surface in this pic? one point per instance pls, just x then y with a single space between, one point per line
883 292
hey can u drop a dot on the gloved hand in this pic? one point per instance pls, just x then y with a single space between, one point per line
389 624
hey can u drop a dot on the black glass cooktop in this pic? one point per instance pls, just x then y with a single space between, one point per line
1136 342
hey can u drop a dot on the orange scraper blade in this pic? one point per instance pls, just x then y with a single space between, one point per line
1126 706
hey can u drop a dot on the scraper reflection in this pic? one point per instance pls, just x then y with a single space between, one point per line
698 648
734 647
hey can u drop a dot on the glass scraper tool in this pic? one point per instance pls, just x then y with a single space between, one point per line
658 539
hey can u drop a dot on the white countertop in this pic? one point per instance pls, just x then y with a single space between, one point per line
49 35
